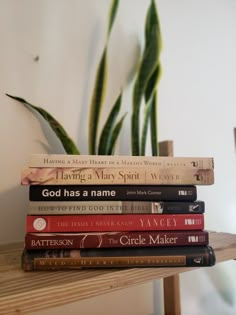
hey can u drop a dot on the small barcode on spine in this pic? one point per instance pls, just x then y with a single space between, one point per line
193 239
183 192
192 221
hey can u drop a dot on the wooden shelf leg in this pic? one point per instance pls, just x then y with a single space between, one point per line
172 305
171 288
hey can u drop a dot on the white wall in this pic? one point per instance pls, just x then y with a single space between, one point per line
196 107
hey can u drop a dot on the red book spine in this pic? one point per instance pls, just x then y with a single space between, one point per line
114 222
115 239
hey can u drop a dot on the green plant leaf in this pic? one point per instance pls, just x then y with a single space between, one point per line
115 135
106 135
112 15
151 20
97 101
153 123
151 91
152 83
147 113
60 132
99 89
148 75
147 67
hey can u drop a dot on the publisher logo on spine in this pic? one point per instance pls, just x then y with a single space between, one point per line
39 224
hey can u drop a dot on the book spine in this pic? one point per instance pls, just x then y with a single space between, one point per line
119 176
114 222
114 207
67 160
115 239
112 192
202 256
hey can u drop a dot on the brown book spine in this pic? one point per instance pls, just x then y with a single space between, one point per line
115 239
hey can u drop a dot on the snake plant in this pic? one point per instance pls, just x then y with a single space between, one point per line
144 96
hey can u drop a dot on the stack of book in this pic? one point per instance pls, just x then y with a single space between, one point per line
90 211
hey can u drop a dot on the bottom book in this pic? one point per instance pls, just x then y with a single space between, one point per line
58 259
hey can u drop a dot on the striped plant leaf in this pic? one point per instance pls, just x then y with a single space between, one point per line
112 15
106 135
147 68
154 116
151 20
152 83
97 101
146 120
146 80
60 132
153 123
115 135
99 89
151 91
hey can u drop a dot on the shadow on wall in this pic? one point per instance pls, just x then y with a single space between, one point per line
223 278
235 139
53 143
212 305
14 206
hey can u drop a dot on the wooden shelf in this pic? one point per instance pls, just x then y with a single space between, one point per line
24 292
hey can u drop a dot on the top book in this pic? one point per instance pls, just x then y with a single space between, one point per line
111 161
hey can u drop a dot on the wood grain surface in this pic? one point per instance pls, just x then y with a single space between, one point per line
24 292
